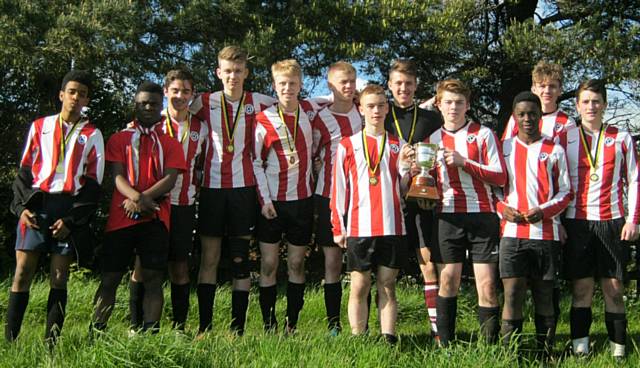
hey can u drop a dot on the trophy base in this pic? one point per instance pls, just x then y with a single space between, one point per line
423 187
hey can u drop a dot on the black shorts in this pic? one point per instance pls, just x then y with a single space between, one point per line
295 221
149 240
324 233
419 224
52 208
230 211
594 249
457 233
363 254
183 220
533 259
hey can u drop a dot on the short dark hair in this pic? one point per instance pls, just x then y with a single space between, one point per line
404 66
179 74
594 85
81 76
526 96
149 86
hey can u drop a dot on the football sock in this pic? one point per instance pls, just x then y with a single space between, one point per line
239 305
180 304
206 298
332 302
18 301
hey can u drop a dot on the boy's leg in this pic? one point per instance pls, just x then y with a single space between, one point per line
180 248
488 308
136 296
332 285
545 319
615 316
239 250
269 259
580 315
105 298
26 264
207 279
296 284
358 308
430 278
153 298
57 301
387 302
447 302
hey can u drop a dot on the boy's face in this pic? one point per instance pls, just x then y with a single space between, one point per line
403 87
232 74
287 87
527 115
549 90
453 107
179 93
148 106
374 108
74 97
342 84
591 106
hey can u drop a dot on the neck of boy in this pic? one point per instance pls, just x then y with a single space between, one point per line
289 106
233 95
549 108
401 105
374 129
453 125
341 107
178 115
529 138
592 126
69 117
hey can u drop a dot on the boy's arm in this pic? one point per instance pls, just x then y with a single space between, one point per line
260 152
494 171
339 202
556 205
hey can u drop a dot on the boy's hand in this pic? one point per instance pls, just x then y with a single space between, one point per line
512 215
453 158
28 218
269 212
534 215
341 240
59 230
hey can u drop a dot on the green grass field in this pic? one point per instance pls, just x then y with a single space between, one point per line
310 347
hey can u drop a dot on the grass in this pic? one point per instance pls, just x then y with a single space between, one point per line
309 347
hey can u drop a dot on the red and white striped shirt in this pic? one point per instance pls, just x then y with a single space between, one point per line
192 136
224 169
371 210
328 129
538 176
552 125
145 155
468 189
83 154
278 178
617 167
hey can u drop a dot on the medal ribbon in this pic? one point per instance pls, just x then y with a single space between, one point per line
170 129
373 170
225 116
413 124
64 139
593 161
295 127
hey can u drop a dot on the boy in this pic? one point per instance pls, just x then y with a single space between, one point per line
282 167
228 194
603 166
145 166
413 124
469 165
537 192
367 177
331 124
55 196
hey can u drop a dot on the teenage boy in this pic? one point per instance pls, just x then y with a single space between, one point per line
538 189
144 166
191 133
546 83
603 166
331 124
282 166
55 195
367 176
228 195
413 124
470 163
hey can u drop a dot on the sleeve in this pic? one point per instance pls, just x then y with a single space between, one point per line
85 204
321 135
564 193
260 150
499 201
339 202
115 152
22 190
174 155
262 102
200 106
631 163
494 170
30 148
510 130
94 168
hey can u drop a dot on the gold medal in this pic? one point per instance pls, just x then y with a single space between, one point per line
230 148
594 177
593 160
292 160
230 130
373 180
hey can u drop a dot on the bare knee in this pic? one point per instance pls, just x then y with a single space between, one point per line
22 277
268 265
295 265
179 272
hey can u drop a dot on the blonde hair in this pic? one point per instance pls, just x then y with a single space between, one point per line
404 66
453 86
372 89
342 66
233 53
546 71
287 67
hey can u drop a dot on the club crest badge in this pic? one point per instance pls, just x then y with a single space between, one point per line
249 109
82 139
471 138
394 148
609 141
544 156
194 136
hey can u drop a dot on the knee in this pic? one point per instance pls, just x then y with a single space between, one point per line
239 256
268 265
360 290
614 293
581 293
179 272
449 282
59 281
296 265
